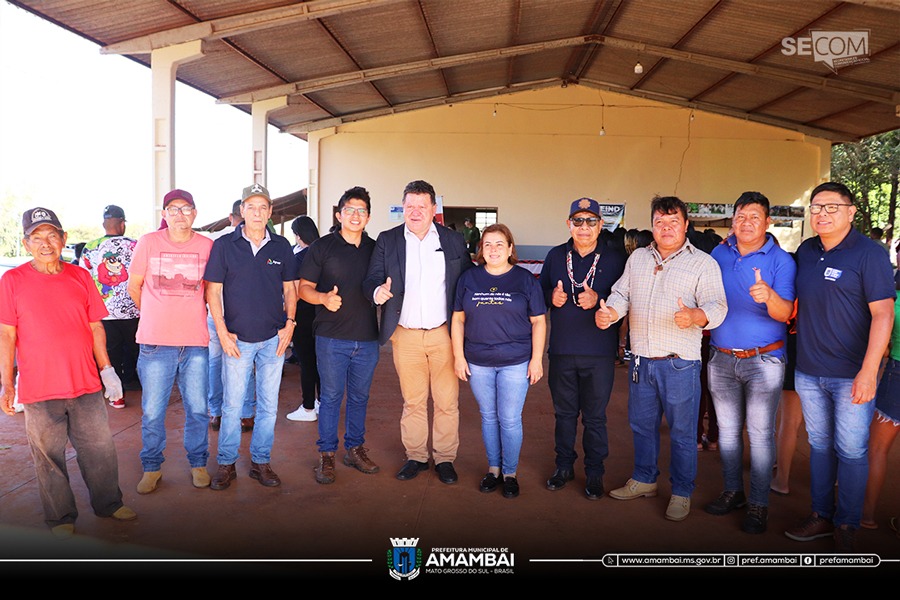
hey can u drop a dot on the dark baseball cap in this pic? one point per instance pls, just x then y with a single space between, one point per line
178 195
585 205
255 190
113 212
35 217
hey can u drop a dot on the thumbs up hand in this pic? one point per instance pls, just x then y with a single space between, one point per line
760 290
603 318
383 292
332 301
683 316
587 299
559 296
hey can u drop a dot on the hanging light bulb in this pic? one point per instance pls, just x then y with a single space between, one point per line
495 111
638 68
602 130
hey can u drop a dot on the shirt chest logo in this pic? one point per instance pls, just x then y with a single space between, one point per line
270 261
832 274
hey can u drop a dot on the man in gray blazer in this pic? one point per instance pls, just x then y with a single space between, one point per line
413 277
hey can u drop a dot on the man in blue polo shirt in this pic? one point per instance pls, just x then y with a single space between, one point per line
746 369
250 275
845 294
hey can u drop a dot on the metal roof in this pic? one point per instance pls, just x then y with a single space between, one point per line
344 60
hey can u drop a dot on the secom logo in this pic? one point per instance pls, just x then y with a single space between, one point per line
834 48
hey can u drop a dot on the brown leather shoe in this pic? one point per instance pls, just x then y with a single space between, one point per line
325 469
223 477
357 457
263 473
247 424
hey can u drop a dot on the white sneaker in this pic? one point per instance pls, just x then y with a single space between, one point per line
303 414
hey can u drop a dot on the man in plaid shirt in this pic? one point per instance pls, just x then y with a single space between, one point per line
673 291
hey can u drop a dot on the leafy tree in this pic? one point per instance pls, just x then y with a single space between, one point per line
871 169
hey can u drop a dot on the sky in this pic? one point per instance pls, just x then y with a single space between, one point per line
75 132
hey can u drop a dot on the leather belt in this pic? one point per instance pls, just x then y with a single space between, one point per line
666 357
741 353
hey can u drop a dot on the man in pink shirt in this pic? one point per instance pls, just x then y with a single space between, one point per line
166 283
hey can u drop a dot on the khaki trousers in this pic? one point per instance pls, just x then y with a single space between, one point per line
424 358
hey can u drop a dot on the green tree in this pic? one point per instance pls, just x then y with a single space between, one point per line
871 169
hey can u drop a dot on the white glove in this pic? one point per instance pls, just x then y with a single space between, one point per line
112 383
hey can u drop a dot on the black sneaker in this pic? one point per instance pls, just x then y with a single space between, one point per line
489 483
726 502
510 487
756 519
844 539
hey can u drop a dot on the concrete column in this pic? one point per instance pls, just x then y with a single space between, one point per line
314 139
259 112
164 63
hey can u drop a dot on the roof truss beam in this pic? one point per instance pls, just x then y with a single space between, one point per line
860 91
240 24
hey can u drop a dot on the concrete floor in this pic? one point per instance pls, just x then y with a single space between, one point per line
310 530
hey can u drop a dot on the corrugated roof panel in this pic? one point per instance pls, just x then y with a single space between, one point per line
348 99
219 74
298 51
399 90
393 34
207 10
659 22
747 93
541 20
470 25
740 31
864 120
475 77
545 65
681 78
808 106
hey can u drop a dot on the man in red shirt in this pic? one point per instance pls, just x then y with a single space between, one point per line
48 299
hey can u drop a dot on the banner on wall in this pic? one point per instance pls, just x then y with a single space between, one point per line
613 215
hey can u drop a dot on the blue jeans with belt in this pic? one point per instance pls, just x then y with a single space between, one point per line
238 374
669 386
746 390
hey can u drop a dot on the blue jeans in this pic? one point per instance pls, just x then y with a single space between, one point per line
344 365
237 375
216 389
159 367
500 393
581 385
668 386
746 389
83 422
838 433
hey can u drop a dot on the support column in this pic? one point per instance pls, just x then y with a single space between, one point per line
314 139
259 111
164 62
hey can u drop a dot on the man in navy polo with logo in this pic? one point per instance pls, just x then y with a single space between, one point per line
845 294
251 276
746 369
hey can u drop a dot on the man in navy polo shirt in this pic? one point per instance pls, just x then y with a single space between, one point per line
845 294
251 274
746 369
574 277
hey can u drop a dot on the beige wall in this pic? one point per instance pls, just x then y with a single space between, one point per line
543 149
